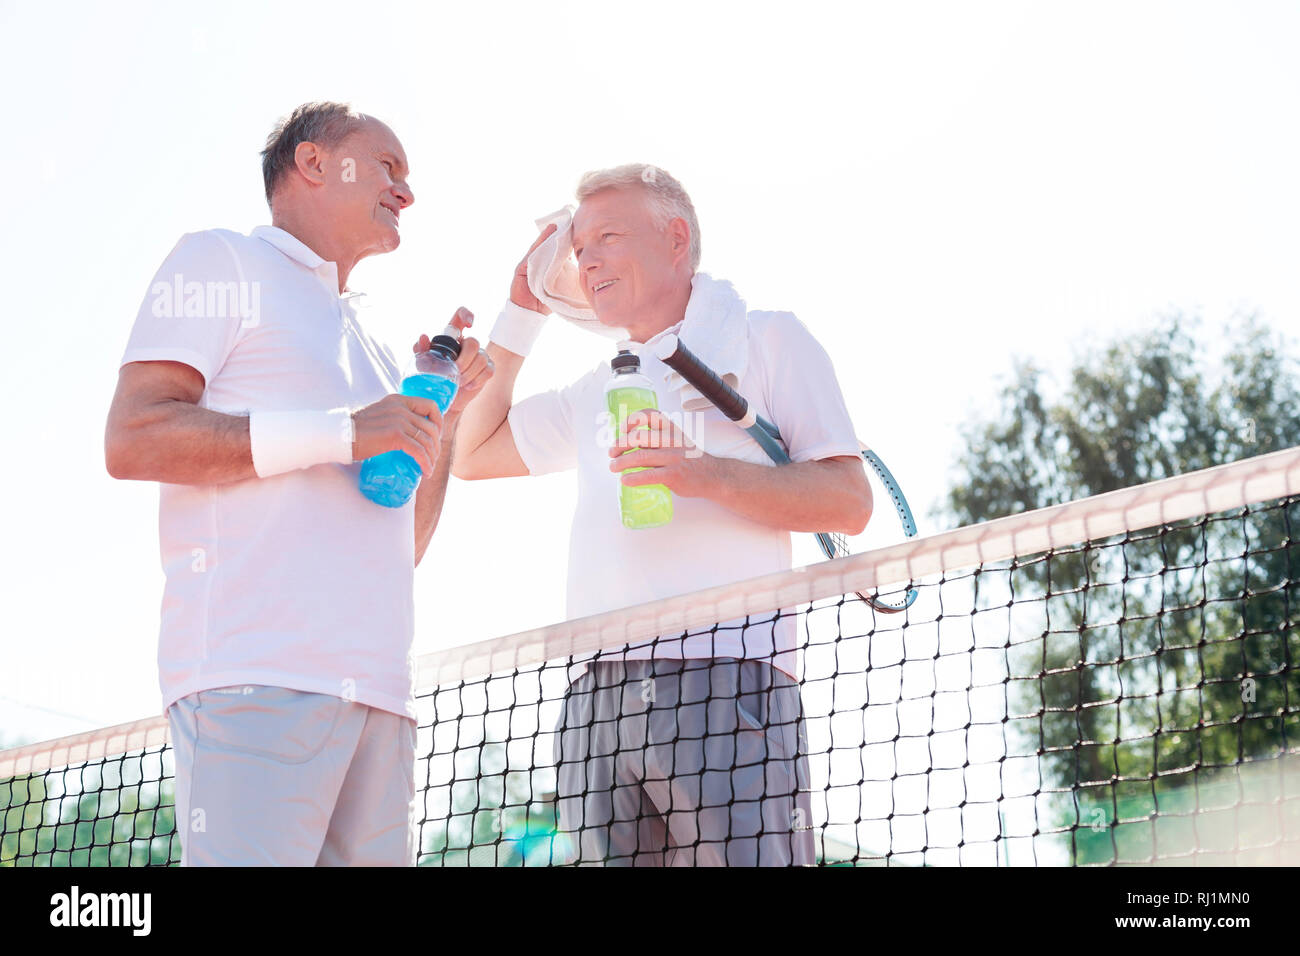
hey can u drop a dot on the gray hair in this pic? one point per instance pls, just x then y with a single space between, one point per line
323 123
667 197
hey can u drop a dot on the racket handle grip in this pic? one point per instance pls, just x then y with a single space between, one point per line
685 363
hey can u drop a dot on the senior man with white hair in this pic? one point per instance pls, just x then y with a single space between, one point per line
683 751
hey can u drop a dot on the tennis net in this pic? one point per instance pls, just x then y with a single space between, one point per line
1109 681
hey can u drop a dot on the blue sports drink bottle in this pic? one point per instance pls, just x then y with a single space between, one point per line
391 478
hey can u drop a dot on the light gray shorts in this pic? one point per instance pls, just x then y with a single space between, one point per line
267 776
684 763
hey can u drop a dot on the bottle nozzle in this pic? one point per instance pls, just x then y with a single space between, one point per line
448 340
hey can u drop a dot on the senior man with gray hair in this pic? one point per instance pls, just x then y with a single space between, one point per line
685 750
251 392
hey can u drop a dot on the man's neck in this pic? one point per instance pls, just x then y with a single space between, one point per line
673 311
318 240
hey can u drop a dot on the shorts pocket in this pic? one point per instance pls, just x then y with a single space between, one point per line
747 717
284 725
762 705
753 703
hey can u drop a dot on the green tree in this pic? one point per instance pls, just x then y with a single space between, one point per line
120 812
1133 675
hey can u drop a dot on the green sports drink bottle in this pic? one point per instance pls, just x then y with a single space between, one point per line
627 392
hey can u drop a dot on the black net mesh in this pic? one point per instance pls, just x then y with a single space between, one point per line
1133 699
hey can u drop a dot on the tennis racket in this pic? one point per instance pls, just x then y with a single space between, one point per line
731 403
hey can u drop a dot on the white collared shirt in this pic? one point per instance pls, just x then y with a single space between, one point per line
789 380
296 580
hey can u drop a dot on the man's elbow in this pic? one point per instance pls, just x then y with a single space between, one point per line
857 520
119 457
859 512
480 465
462 467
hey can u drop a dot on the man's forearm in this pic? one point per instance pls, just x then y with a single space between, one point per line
831 495
432 493
484 415
180 443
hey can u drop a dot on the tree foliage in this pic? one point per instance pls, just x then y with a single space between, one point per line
1159 654
118 813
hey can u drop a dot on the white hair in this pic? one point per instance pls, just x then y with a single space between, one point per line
668 199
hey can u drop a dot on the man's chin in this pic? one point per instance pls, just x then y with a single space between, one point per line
613 322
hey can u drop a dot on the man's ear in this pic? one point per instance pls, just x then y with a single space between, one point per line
310 163
679 232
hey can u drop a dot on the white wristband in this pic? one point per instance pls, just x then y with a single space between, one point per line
517 328
287 441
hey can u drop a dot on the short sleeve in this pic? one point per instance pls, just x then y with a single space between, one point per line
542 428
803 393
194 308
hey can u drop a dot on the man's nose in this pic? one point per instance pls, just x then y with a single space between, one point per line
404 194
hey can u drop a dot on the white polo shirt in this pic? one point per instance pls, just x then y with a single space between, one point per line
789 381
296 580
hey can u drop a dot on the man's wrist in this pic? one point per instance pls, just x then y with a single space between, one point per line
517 328
287 441
449 425
717 477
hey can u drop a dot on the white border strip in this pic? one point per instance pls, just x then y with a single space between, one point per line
1130 509
83 748
1209 491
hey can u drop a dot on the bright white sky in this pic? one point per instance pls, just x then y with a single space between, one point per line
932 188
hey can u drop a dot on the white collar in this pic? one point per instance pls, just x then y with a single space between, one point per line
299 252
289 244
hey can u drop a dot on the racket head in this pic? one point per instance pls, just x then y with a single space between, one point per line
837 545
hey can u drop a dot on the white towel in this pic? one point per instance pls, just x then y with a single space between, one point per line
716 329
553 277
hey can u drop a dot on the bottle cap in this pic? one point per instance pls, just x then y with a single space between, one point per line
625 359
447 340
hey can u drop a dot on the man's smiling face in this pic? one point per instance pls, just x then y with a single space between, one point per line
625 257
369 189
